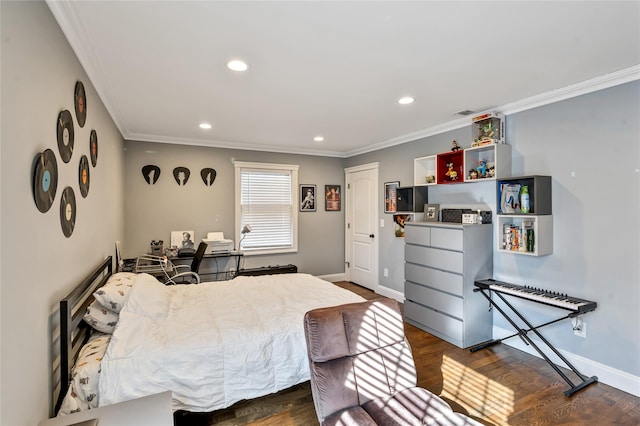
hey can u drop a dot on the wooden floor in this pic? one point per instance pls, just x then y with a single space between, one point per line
496 386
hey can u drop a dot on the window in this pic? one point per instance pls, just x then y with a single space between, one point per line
266 199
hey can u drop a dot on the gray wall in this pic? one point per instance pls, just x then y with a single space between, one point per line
40 265
153 211
590 147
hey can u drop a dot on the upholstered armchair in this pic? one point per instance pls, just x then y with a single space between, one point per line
362 369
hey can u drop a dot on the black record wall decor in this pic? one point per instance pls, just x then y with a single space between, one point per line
181 175
93 147
45 180
64 133
80 102
208 176
83 176
68 211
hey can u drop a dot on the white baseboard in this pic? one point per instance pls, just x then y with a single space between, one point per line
390 293
333 277
610 376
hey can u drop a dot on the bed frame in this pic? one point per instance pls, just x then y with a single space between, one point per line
74 332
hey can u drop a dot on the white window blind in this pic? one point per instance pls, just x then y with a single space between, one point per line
267 203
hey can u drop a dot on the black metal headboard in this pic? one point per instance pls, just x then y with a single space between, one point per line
74 332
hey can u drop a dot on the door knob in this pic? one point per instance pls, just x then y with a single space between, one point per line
371 235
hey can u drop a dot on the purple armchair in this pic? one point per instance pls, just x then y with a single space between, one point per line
362 369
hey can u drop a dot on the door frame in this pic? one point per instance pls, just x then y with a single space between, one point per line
348 213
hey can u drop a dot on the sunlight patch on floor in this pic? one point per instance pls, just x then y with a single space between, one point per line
481 397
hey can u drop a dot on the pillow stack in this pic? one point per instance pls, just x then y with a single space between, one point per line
103 313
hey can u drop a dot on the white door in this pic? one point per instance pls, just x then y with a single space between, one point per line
361 225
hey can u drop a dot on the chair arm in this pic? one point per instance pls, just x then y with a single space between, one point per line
183 274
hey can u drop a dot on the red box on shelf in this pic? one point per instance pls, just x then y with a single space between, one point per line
450 167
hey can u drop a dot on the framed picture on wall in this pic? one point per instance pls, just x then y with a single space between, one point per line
399 220
391 196
308 198
332 198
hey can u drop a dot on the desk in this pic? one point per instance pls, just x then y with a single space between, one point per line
152 410
225 274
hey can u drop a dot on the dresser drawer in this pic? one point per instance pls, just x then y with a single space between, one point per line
417 235
444 302
435 278
443 325
451 239
435 258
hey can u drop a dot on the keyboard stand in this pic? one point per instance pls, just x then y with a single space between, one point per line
527 340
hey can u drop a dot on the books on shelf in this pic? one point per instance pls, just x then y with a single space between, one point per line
519 237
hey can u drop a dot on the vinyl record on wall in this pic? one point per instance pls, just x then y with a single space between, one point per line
80 102
208 176
151 173
83 176
181 175
45 180
64 131
93 147
68 211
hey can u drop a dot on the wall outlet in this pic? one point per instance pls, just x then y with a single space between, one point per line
579 327
385 272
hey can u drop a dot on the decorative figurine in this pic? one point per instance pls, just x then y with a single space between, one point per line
473 174
451 174
454 146
482 168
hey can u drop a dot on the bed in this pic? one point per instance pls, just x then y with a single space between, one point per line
211 344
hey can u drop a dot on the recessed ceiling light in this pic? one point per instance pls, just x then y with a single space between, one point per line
318 139
406 100
205 126
237 65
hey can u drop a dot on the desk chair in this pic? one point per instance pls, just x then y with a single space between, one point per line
193 269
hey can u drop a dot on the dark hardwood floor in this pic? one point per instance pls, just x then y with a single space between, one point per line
496 386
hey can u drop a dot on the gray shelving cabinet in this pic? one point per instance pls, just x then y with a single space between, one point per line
442 261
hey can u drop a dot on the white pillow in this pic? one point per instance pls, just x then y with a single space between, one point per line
114 293
83 388
101 318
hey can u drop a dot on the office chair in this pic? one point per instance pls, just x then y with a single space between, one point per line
164 269
193 269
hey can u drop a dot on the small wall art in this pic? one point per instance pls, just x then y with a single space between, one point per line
308 198
181 175
183 239
399 220
391 196
332 199
151 173
208 175
431 212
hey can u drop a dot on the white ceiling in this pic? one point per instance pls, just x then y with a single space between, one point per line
337 69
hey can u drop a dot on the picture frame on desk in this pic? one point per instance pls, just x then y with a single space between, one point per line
431 212
183 239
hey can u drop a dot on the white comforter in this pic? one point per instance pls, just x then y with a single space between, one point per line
213 344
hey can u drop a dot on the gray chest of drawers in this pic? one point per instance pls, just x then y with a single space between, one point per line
442 261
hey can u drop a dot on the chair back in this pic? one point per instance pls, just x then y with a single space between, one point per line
357 352
197 257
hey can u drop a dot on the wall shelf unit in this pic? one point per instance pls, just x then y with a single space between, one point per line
489 162
411 199
424 171
524 233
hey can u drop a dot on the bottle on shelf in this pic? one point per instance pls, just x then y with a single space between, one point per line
524 199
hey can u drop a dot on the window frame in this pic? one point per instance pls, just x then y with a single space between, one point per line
293 170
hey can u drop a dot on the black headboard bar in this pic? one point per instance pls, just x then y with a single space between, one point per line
74 332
